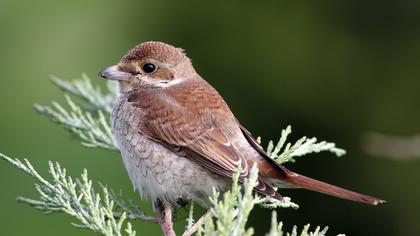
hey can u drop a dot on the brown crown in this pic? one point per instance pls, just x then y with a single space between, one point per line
155 50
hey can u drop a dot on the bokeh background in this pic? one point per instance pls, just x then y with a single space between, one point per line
331 69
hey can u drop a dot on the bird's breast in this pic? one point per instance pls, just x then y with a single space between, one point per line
155 171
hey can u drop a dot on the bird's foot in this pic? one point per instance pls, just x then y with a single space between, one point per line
164 218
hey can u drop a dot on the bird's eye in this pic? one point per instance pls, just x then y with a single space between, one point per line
149 68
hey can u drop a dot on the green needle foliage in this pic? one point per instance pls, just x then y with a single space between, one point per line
78 199
107 213
301 147
86 120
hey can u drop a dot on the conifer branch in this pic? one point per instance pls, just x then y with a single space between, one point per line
100 212
301 147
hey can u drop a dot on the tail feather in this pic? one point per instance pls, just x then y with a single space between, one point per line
322 187
269 169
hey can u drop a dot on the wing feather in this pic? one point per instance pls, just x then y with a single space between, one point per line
200 128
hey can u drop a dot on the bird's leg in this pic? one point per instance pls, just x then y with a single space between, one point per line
164 218
197 224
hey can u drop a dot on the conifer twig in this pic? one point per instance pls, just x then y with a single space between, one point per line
79 199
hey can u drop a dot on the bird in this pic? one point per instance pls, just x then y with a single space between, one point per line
179 139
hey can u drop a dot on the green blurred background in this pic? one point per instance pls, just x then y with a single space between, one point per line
331 69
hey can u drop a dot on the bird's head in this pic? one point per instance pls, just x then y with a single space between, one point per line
150 64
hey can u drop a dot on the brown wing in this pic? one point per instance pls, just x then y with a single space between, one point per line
195 122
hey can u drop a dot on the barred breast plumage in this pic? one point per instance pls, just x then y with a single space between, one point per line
155 171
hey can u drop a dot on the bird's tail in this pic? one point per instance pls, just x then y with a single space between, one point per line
275 172
298 180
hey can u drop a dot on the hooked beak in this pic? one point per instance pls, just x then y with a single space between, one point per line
114 73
